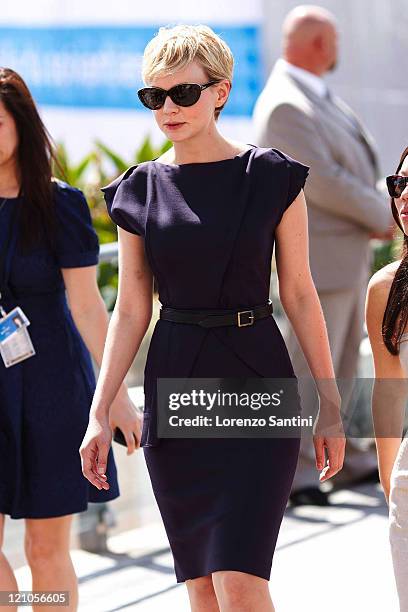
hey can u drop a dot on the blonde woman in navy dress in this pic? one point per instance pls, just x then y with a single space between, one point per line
48 248
203 219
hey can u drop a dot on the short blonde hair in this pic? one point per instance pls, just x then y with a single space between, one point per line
175 47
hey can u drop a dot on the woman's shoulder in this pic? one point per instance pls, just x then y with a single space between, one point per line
65 189
274 160
126 197
67 197
378 294
280 169
76 239
70 202
274 156
133 178
379 285
383 278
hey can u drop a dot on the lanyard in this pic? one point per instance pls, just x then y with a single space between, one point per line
6 251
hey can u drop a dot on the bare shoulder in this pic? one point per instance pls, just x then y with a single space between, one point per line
381 281
378 290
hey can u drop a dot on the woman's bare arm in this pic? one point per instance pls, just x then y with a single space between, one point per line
92 320
297 291
129 321
87 308
301 303
389 391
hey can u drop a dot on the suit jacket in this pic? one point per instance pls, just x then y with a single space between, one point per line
344 205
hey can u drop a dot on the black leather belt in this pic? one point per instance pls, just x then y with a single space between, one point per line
217 317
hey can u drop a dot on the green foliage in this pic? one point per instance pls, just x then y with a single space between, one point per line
386 252
108 282
99 168
72 174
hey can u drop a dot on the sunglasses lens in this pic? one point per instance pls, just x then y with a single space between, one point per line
152 97
390 185
185 94
396 185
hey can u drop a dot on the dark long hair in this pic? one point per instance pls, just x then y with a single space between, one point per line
35 152
396 312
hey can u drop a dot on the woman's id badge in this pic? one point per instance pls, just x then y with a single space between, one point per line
15 341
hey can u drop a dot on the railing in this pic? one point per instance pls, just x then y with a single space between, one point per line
108 252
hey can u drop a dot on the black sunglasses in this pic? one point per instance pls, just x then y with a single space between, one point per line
185 94
396 185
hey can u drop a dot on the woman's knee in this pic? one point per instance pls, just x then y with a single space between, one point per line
201 589
203 584
41 552
236 588
45 543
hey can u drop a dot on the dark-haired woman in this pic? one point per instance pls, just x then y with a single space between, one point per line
47 246
387 317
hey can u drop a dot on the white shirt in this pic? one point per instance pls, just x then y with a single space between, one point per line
312 81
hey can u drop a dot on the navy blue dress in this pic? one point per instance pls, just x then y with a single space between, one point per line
45 400
209 231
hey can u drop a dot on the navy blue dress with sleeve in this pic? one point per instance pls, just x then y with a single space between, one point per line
45 400
209 232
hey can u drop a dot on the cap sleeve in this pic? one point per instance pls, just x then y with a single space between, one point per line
125 199
296 176
282 176
298 173
77 242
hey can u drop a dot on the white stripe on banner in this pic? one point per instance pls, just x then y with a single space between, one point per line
126 12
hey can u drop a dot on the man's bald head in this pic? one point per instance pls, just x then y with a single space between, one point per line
310 38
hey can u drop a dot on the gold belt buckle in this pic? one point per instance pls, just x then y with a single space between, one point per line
251 316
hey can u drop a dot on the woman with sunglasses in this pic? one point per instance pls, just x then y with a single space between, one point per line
48 248
386 318
203 219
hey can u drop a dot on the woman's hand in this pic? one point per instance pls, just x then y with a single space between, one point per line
124 414
329 434
94 451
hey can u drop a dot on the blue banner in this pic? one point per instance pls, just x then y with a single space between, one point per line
100 66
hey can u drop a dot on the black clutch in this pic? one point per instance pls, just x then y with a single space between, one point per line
119 437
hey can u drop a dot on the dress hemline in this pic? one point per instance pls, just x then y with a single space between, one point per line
33 515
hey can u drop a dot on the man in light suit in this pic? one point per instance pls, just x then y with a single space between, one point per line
297 114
